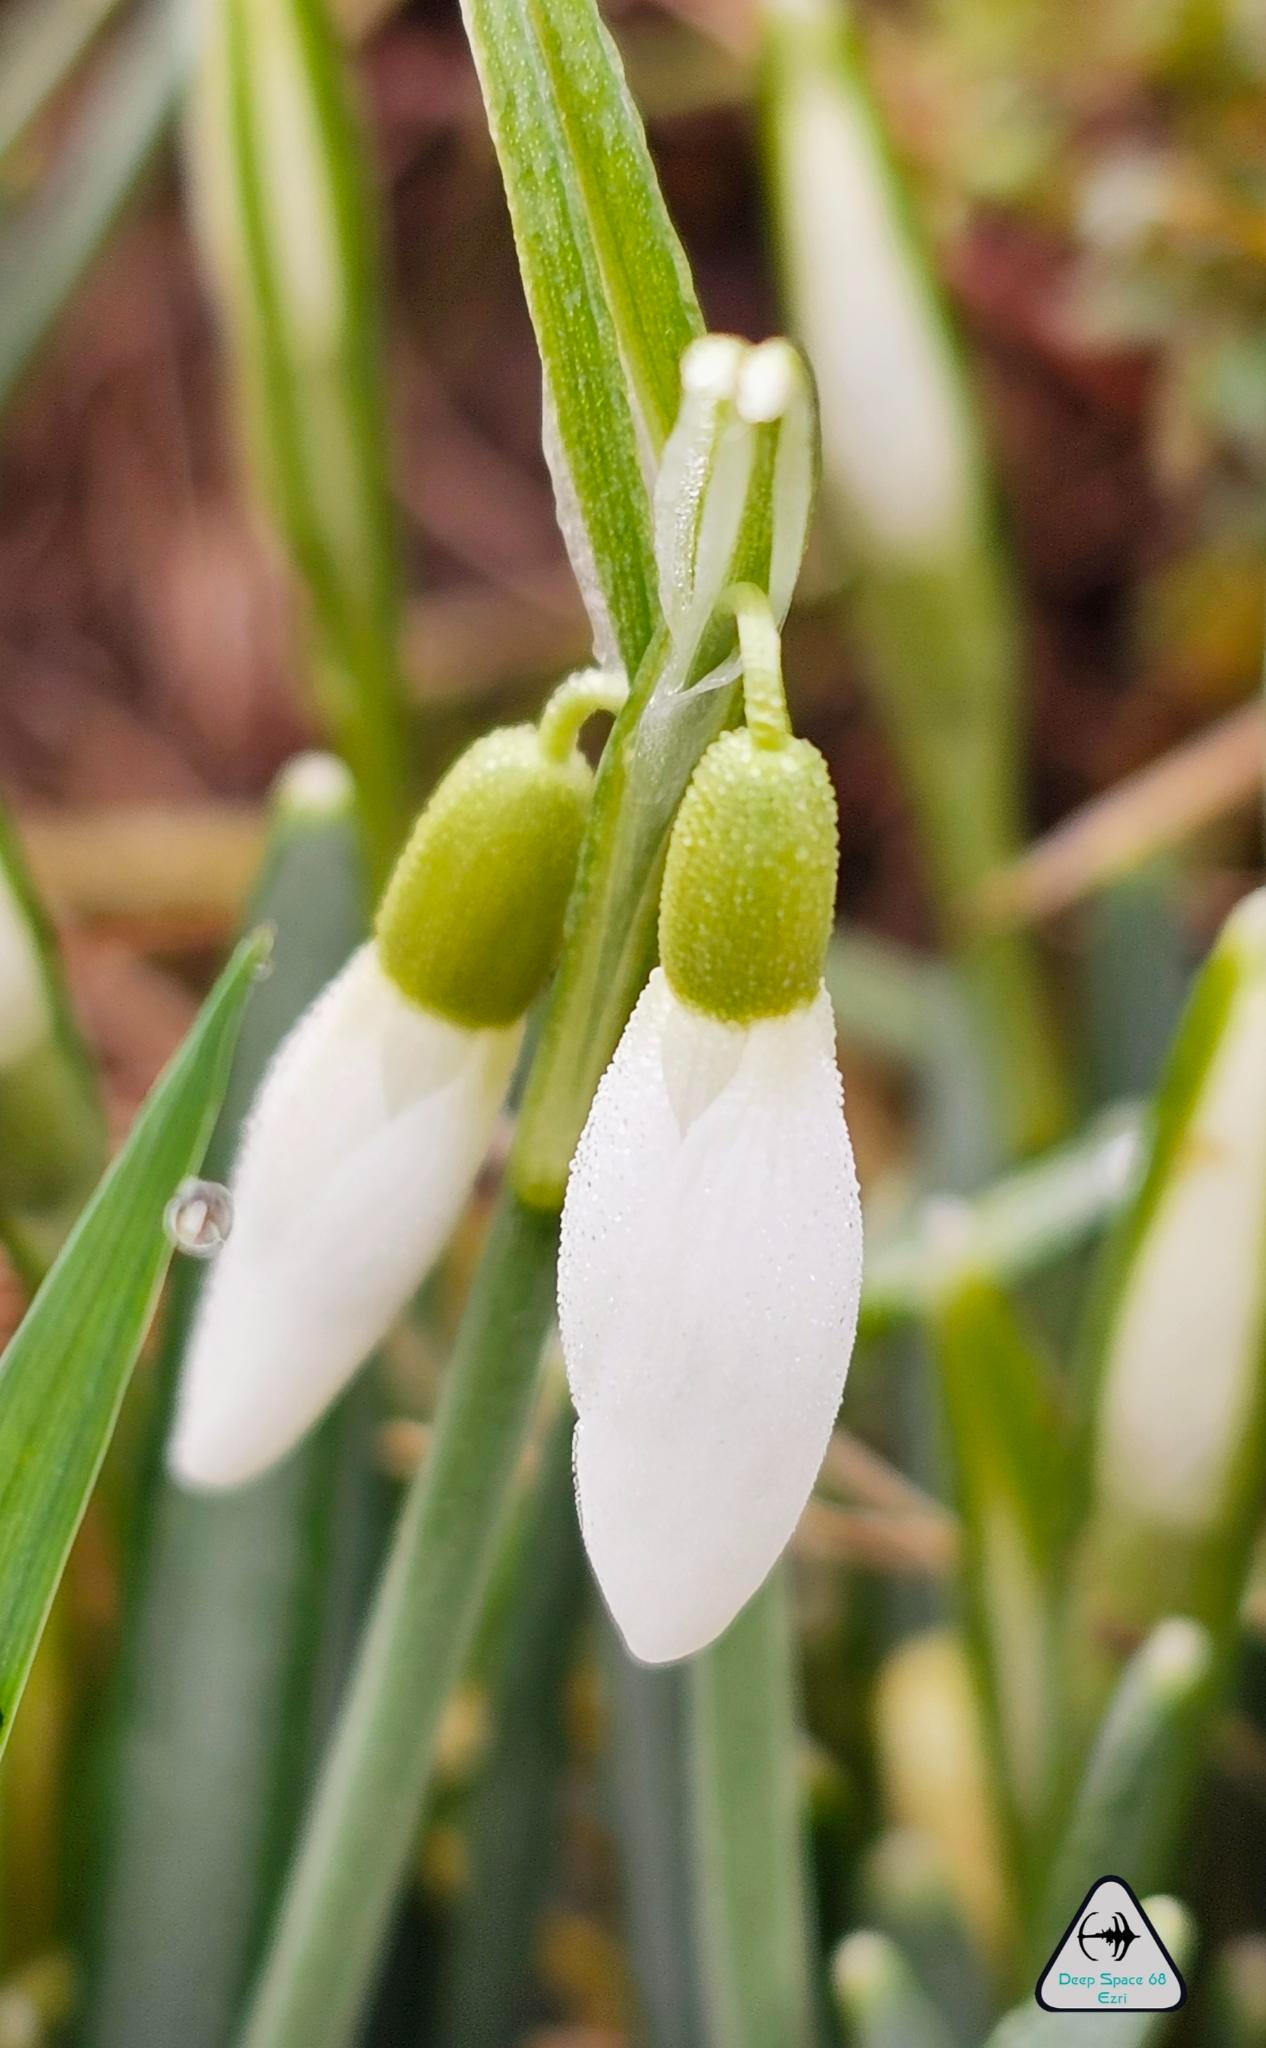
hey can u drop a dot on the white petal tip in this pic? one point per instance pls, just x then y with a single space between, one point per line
670 1639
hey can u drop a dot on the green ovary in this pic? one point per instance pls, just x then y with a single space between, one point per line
749 884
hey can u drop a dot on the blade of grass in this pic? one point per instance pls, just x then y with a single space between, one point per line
47 246
747 1834
585 382
219 1697
356 1841
647 280
288 224
650 1792
1137 967
1007 1455
512 1820
63 1376
1128 1811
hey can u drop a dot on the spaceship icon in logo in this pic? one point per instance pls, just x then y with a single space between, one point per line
1099 1938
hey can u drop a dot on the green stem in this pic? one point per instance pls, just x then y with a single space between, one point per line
355 1847
573 703
760 647
512 1823
750 1876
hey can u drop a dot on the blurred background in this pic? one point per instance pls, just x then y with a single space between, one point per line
1091 183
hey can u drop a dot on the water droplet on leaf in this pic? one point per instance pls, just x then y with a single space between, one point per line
199 1217
265 939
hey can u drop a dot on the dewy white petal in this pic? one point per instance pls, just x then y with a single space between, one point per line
1185 1361
710 1271
367 1134
24 1010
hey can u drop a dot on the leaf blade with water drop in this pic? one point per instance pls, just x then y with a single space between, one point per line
63 1376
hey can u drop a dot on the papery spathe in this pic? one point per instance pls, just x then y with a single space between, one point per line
365 1139
710 1273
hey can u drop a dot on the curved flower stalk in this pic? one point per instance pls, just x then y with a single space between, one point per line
710 1265
373 1119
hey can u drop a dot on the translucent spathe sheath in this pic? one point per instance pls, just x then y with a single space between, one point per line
710 1273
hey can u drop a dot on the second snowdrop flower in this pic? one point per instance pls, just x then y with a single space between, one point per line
711 1249
376 1113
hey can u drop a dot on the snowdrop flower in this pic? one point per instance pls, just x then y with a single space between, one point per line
711 1242
1180 1439
375 1115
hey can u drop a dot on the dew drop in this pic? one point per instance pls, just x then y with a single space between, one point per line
199 1217
265 937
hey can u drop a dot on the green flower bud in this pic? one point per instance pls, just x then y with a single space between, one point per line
472 918
749 885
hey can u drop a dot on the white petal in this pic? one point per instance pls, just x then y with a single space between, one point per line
366 1136
709 1278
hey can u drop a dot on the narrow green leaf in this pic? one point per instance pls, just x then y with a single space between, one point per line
597 462
880 2001
219 1700
647 280
46 247
355 1844
1007 1456
513 1818
1136 969
52 1131
650 1780
1129 1809
1030 2027
63 1376
289 224
41 42
749 1847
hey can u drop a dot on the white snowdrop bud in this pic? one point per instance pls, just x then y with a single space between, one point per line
373 1119
1180 1445
710 1265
